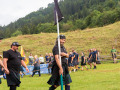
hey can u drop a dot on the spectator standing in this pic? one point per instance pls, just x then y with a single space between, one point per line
114 56
50 63
31 58
47 58
36 66
41 58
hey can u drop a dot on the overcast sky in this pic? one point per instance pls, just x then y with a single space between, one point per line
11 10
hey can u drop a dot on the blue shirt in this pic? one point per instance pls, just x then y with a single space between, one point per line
94 54
76 56
46 57
90 54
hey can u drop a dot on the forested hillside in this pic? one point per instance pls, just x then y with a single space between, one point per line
78 14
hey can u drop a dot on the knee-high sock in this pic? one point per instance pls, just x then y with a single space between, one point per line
67 87
39 73
33 74
12 87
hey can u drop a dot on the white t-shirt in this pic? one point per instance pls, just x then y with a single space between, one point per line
31 58
41 59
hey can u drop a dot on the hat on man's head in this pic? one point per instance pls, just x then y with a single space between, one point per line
62 36
15 44
1 38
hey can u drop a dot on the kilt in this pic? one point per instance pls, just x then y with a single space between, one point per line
93 60
55 78
83 64
90 61
13 78
75 62
70 64
36 68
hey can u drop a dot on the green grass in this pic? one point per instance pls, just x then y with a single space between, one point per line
106 77
102 38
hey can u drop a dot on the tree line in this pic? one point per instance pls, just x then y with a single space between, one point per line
78 14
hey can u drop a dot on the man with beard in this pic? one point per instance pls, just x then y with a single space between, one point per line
12 61
60 68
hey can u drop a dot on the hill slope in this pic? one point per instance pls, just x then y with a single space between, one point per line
102 38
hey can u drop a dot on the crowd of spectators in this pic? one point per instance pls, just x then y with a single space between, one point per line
75 61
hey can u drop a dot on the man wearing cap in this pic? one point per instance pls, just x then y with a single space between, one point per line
12 61
60 68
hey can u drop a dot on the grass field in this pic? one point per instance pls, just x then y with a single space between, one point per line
102 38
106 77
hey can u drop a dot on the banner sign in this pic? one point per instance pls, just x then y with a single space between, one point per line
43 69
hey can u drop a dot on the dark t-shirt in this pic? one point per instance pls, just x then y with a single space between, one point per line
70 58
94 54
76 56
90 54
82 58
56 52
14 60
